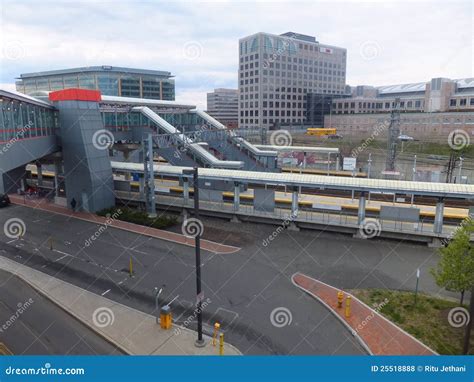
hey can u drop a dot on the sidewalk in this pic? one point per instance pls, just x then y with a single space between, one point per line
44 205
132 331
377 334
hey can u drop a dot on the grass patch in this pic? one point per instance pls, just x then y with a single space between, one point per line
427 321
139 217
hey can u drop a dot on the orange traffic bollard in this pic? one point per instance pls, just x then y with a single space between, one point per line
348 306
214 335
340 298
165 317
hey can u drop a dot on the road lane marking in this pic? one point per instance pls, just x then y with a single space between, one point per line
62 257
107 291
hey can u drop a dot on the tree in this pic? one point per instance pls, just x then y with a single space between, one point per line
455 270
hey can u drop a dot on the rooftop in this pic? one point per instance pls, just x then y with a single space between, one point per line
103 68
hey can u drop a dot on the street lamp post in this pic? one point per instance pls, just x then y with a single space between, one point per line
197 244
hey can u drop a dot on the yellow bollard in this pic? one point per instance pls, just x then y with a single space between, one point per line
221 344
165 317
130 267
214 335
348 306
340 298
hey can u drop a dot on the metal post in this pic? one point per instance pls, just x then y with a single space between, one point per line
329 161
413 178
438 223
185 191
369 165
236 196
361 211
353 175
417 281
294 203
461 159
149 176
39 174
200 341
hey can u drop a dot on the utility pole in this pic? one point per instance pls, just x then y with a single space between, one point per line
197 244
149 177
461 159
369 165
413 178
393 134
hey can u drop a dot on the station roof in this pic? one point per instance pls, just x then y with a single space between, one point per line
145 102
307 149
448 190
103 68
23 97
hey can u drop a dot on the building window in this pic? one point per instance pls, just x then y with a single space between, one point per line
452 102
471 102
463 102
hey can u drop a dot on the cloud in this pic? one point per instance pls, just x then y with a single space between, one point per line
198 41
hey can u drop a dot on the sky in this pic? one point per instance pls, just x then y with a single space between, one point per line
387 42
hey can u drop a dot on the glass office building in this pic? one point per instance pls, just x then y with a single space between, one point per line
110 80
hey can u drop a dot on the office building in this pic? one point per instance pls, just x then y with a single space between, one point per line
222 104
276 72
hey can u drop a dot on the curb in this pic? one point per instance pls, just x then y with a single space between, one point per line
82 320
362 303
349 328
186 243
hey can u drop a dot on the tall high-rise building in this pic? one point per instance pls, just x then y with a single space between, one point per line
276 72
222 104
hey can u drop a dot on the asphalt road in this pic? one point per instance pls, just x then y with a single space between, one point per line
39 326
244 288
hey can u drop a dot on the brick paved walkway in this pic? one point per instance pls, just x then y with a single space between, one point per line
44 205
379 335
